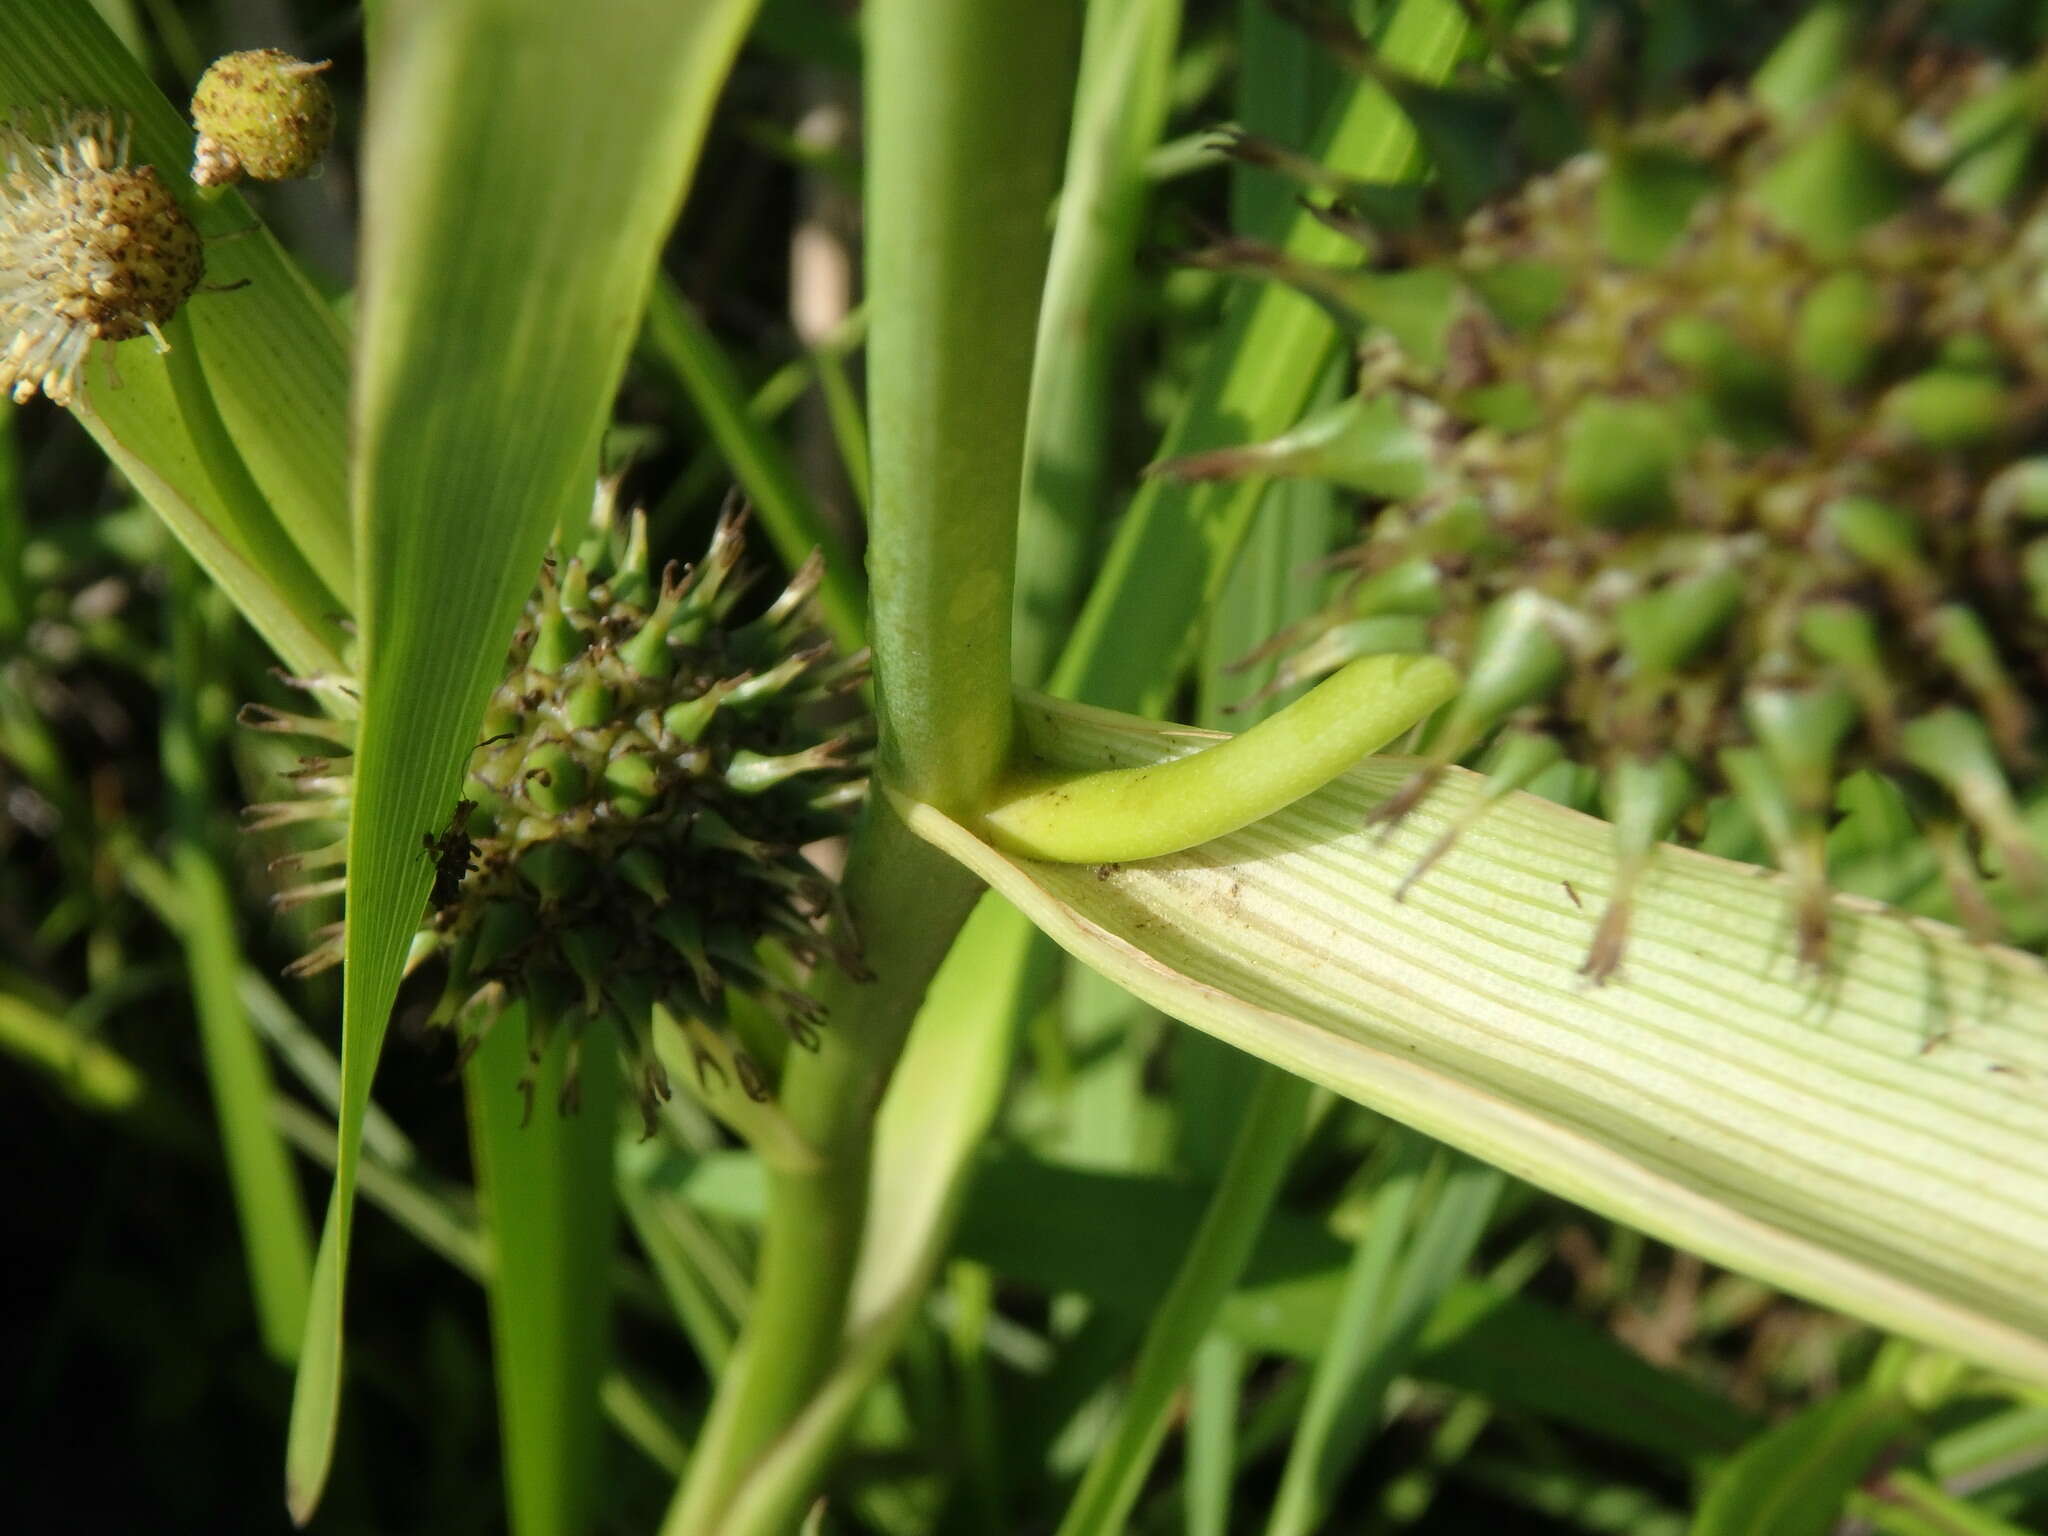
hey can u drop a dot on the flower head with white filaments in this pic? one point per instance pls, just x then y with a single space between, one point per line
91 249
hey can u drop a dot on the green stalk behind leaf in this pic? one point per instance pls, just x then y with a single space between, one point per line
1120 108
550 1282
1174 550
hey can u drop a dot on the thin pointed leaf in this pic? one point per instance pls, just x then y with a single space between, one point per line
1872 1139
277 1241
760 463
1792 1480
93 1074
521 169
1216 1258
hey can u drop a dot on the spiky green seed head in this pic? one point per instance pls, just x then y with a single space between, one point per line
261 114
91 249
631 828
1731 436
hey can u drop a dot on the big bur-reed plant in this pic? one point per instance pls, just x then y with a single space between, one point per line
1865 1133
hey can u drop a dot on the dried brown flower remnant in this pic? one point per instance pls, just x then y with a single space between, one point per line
91 249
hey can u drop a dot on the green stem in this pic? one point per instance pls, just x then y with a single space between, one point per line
907 902
967 99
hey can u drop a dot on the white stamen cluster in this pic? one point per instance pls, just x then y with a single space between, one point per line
91 249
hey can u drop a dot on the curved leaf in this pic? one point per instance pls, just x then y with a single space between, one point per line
1874 1139
1792 1480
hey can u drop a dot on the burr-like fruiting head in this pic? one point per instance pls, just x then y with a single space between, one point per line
91 249
261 114
1717 459
629 833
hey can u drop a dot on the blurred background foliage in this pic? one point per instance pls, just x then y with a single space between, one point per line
1556 1374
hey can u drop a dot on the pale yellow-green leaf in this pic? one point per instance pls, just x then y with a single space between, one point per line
1875 1138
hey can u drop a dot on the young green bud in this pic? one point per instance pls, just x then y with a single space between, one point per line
1952 408
1832 184
1841 329
554 777
1952 747
1965 645
261 114
1665 630
1643 797
1645 201
1620 462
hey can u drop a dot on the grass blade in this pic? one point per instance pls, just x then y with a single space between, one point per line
1215 1260
1791 1481
1215 1388
565 135
1177 543
1397 1282
277 1244
95 1075
1910 1504
1309 1474
685 344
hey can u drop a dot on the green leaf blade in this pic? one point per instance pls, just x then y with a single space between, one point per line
1872 1140
483 384
1792 1480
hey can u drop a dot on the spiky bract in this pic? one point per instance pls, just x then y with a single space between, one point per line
91 249
1714 458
